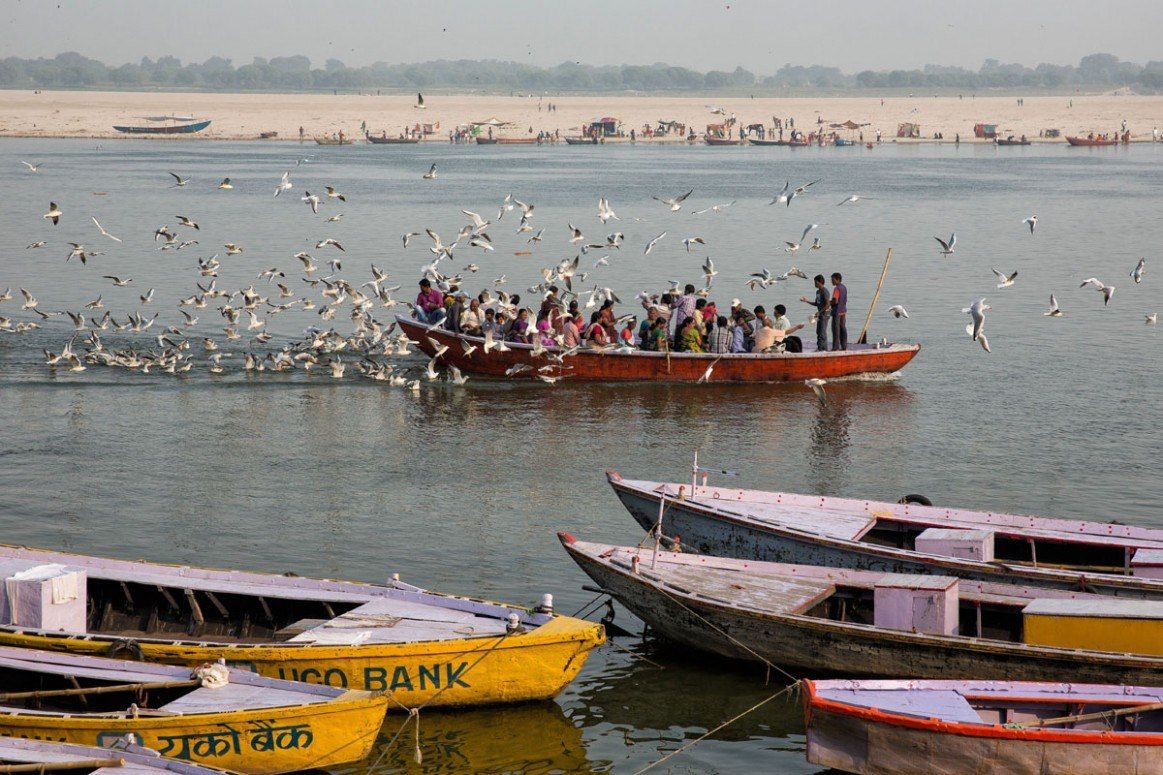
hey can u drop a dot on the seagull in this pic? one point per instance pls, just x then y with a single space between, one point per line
232 249
148 297
650 245
1053 312
118 281
455 377
674 204
103 232
32 167
54 213
947 247
180 180
815 244
78 251
707 374
225 185
187 222
333 194
308 198
782 197
329 241
408 237
807 229
1137 272
898 311
431 173
1153 318
420 101
38 244
1106 290
817 386
284 184
709 270
605 212
575 234
1004 280
786 196
1032 221
29 301
792 247
715 208
977 312
852 199
693 241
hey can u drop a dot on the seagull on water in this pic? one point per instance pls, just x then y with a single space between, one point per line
419 102
431 173
32 167
225 185
180 181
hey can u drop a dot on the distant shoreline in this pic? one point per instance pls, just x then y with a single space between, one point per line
243 116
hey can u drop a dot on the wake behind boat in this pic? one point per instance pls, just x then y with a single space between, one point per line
618 364
1102 557
424 647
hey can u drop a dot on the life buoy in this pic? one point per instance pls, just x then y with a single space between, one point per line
919 500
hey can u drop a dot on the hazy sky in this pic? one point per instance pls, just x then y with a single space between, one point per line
761 35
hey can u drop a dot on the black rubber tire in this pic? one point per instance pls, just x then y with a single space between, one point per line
919 500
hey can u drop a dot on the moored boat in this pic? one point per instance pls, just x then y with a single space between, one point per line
423 647
581 140
223 717
115 757
1106 558
616 364
487 140
1092 141
789 143
324 140
724 141
867 623
167 129
983 727
1012 141
385 140
516 140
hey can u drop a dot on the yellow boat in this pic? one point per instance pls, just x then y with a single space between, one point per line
422 648
215 716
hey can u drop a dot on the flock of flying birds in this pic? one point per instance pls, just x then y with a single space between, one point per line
246 312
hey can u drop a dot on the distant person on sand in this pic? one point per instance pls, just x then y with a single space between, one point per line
839 313
301 134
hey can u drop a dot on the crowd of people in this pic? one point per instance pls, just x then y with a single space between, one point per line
672 322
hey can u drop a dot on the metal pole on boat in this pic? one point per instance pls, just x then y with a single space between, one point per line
695 474
658 528
868 320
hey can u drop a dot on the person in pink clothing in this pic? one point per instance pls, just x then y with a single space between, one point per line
570 333
543 331
430 303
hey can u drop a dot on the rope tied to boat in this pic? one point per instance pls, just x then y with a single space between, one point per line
414 713
682 749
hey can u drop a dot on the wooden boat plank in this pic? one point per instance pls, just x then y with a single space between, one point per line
944 704
234 696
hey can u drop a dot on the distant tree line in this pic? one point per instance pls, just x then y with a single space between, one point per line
295 73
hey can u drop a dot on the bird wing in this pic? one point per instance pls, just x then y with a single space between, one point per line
944 244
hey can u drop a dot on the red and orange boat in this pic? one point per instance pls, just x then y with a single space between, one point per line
616 364
1092 141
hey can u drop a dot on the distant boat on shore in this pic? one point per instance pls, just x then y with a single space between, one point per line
384 140
168 129
334 141
1092 141
791 143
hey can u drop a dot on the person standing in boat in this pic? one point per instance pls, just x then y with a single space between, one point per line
839 313
820 302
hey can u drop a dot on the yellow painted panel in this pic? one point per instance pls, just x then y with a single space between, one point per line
255 742
533 665
1101 633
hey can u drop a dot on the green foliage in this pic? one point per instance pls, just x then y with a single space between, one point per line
295 73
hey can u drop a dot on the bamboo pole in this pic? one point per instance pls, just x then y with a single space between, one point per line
76 764
868 320
1049 722
8 696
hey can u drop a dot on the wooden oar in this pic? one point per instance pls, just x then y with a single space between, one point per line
1115 713
868 320
8 696
76 764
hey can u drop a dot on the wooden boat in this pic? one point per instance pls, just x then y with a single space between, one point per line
983 727
487 140
323 140
116 757
1012 141
391 140
425 648
868 623
841 142
223 717
170 129
724 141
1105 558
615 364
267 135
581 140
1091 141
788 143
516 140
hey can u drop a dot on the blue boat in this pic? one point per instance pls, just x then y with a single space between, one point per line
840 141
173 129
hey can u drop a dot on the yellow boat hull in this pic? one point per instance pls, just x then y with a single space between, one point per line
534 665
255 742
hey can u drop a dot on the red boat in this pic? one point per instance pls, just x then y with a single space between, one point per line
638 365
1091 141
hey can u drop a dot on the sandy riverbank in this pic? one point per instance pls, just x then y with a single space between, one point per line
244 116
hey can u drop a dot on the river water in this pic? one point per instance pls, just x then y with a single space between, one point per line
462 489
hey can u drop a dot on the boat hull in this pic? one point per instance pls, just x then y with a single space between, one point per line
1013 142
717 141
581 141
392 140
534 665
1088 142
812 645
326 141
258 742
181 129
788 143
711 531
868 742
659 367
